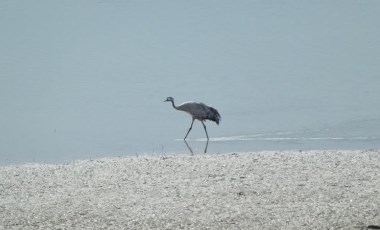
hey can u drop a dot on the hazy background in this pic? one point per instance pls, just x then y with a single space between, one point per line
86 79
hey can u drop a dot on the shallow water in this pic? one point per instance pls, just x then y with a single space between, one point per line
88 79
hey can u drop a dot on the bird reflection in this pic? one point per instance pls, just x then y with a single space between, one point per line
191 150
188 146
206 146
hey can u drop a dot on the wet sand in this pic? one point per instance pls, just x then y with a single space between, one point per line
260 190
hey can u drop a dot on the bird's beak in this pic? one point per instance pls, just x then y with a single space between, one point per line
166 100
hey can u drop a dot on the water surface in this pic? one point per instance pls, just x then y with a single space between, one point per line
87 79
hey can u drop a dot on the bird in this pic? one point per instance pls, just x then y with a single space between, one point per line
199 111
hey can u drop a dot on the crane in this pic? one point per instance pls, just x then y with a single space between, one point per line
199 111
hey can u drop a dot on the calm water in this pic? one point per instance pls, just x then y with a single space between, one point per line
87 79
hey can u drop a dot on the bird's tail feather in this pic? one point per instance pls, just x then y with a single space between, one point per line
214 115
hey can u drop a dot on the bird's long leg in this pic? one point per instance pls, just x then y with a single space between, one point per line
191 126
204 126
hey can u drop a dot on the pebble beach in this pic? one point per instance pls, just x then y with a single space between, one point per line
334 189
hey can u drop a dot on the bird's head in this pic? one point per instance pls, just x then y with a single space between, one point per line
169 99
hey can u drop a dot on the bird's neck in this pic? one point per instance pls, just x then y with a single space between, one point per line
174 105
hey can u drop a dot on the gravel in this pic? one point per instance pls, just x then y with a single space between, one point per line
335 189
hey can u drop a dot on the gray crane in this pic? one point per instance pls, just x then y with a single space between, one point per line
197 111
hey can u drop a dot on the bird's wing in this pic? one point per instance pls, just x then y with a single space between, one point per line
195 109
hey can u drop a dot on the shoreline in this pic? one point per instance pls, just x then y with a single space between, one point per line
259 190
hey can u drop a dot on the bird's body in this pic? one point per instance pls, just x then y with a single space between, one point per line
199 111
